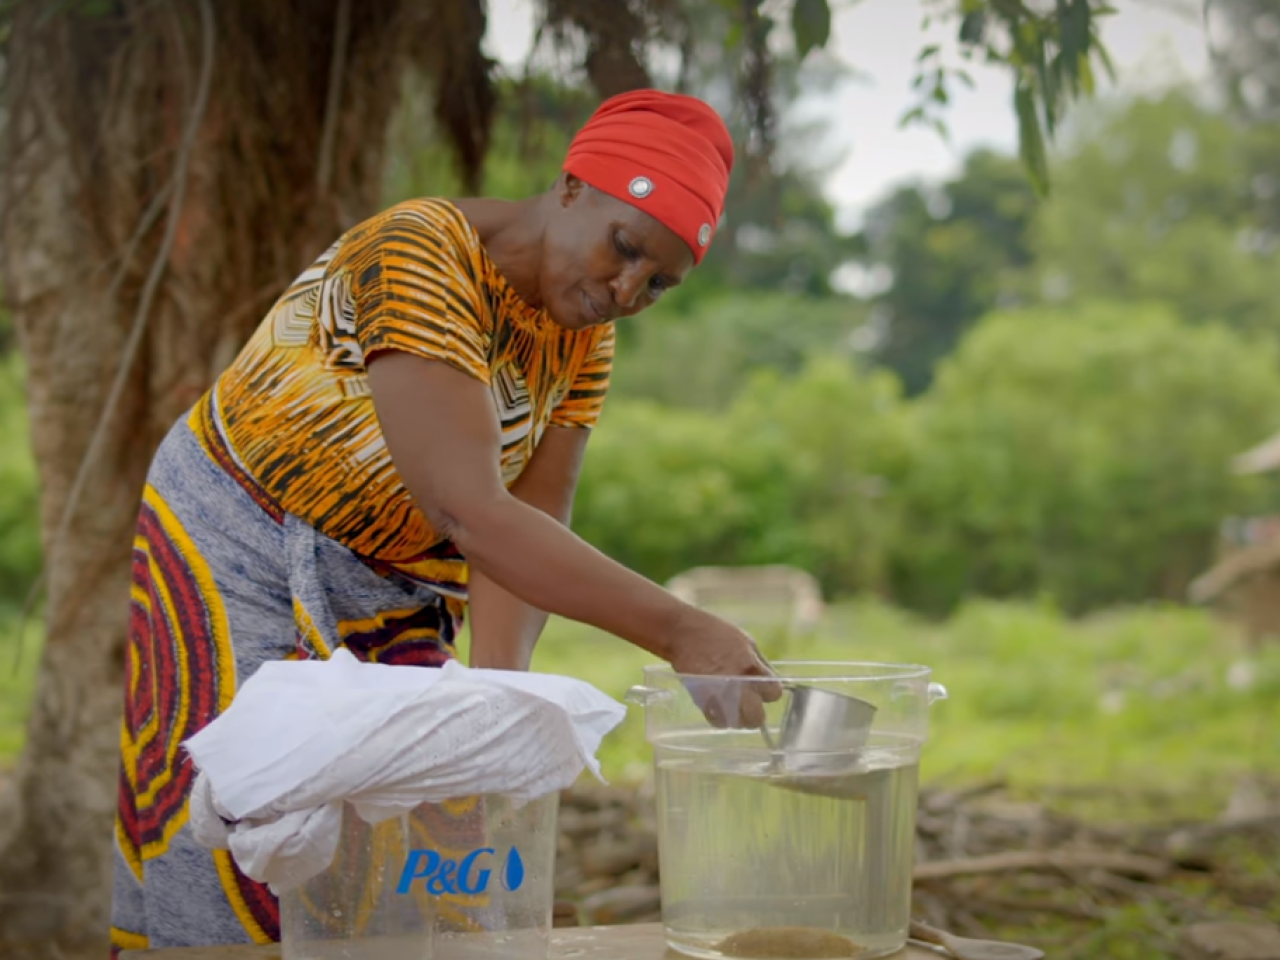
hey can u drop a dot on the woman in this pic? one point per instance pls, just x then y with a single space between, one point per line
398 442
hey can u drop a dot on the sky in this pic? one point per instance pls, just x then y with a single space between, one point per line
880 39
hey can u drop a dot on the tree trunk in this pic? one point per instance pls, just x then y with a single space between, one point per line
615 34
101 110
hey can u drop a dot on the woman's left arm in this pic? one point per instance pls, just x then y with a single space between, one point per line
505 630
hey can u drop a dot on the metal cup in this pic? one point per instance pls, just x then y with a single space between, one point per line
818 723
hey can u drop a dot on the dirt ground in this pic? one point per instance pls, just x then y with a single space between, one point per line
986 866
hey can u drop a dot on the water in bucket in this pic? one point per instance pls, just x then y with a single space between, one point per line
467 879
796 841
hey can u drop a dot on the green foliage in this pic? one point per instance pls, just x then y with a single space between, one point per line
6 329
1155 199
811 25
780 232
17 681
536 119
812 453
1081 454
1135 700
19 507
779 235
1051 54
1247 55
1077 452
699 351
1163 199
655 492
953 251
791 473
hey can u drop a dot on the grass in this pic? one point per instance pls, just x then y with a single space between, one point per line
17 683
1093 716
1139 702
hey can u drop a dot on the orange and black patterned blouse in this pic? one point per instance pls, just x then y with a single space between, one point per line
295 413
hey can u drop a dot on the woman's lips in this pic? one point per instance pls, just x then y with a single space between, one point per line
594 311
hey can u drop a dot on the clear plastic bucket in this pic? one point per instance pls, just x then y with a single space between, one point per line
805 854
468 878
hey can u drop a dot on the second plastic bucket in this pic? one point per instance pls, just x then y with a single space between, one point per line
808 858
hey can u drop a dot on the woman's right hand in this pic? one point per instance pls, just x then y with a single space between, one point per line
707 646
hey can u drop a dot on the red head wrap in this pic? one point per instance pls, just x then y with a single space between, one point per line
664 153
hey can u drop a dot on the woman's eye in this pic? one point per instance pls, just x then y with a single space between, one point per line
657 285
625 249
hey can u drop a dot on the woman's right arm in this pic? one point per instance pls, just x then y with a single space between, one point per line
445 440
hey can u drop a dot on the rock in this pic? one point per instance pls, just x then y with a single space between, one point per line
622 905
1252 798
568 874
1229 941
578 824
639 877
565 914
611 857
595 885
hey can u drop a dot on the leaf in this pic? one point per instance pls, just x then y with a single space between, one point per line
811 24
1104 57
1030 137
1012 10
927 52
939 93
1048 89
1060 80
1074 27
914 115
761 30
973 27
1087 82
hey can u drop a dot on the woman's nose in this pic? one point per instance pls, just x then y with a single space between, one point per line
626 289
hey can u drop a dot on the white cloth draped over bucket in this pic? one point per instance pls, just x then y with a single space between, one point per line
302 737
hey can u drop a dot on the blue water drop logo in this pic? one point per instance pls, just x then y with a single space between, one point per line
513 872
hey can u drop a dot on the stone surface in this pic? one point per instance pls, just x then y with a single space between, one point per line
623 905
631 942
1230 941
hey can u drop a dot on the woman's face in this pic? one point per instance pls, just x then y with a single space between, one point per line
603 259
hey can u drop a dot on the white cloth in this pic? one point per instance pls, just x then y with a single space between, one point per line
301 737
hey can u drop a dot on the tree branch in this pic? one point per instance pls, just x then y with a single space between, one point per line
1147 868
333 98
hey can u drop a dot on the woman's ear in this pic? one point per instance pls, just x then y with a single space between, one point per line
569 189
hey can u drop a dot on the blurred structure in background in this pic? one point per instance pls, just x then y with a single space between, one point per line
774 602
1245 582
